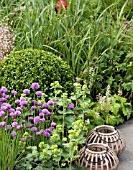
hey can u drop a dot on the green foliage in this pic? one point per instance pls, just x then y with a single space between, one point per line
114 109
114 64
21 68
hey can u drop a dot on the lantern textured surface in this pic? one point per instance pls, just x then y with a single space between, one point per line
108 135
98 157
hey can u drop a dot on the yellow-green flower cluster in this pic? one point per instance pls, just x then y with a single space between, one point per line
78 127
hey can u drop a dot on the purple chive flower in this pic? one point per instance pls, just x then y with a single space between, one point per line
33 108
14 124
17 101
39 103
22 139
41 114
47 130
39 93
30 118
6 105
2 113
43 120
3 89
41 131
71 106
8 127
33 102
33 129
23 103
22 99
7 97
4 108
18 127
26 91
2 99
13 133
14 93
5 118
11 110
38 133
18 109
23 121
2 124
45 111
45 105
51 128
36 120
17 113
12 114
35 86
53 124
46 134
50 102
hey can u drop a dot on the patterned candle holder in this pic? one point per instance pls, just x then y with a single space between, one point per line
98 157
107 135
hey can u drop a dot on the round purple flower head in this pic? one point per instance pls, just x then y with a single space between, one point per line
33 129
3 90
45 111
2 124
38 133
53 124
7 105
14 93
22 139
33 108
19 127
4 108
30 118
41 114
26 91
2 99
33 102
50 102
71 106
39 93
7 97
22 99
17 101
13 133
45 105
39 103
36 120
35 86
14 124
2 113
43 120
11 110
23 103
18 109
17 113
23 121
8 127
46 134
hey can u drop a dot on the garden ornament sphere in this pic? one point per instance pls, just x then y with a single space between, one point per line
108 135
96 156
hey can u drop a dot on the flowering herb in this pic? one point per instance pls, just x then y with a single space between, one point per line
61 4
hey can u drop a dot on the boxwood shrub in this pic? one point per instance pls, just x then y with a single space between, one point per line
21 68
